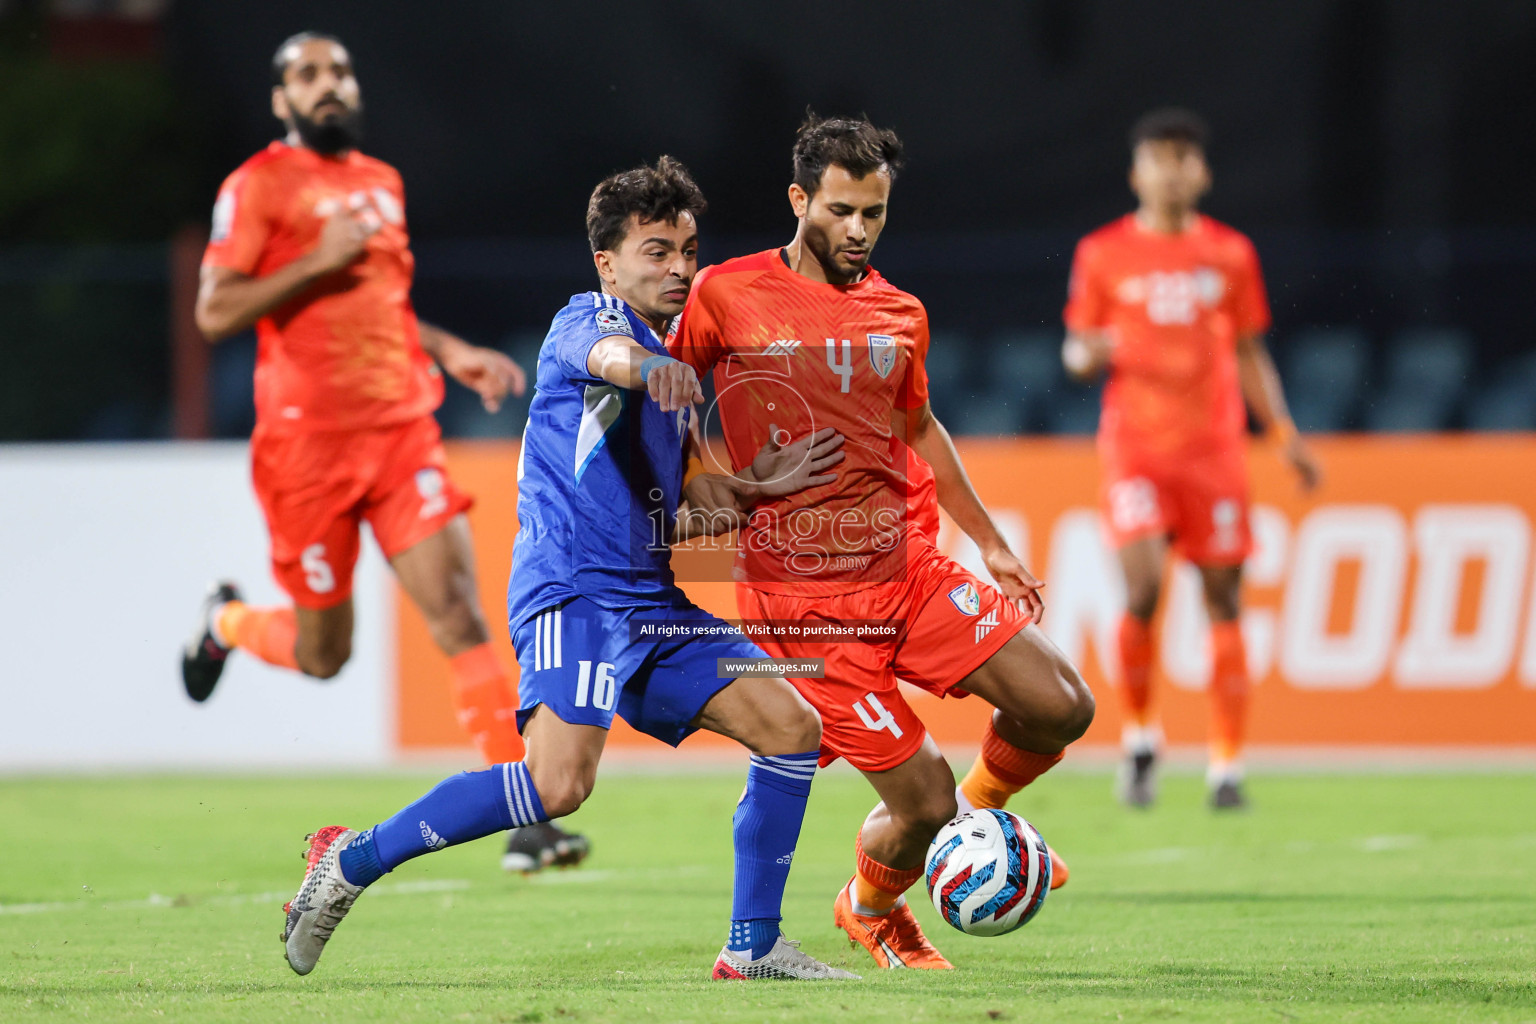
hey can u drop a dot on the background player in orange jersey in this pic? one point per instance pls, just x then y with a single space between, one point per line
1171 304
309 243
809 336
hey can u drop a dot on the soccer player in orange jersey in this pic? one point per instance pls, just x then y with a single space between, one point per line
309 244
810 336
1170 304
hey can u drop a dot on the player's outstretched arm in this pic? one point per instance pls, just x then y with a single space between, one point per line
623 362
485 371
717 504
228 301
1265 395
1086 354
709 509
782 467
927 436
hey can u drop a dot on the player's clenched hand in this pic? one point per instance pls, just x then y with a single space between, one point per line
487 372
781 469
1307 468
1016 582
344 237
1086 355
673 385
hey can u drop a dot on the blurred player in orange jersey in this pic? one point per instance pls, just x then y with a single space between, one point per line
809 336
309 244
1171 305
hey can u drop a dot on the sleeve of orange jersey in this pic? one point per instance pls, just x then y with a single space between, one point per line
1086 306
241 225
1249 303
699 342
914 387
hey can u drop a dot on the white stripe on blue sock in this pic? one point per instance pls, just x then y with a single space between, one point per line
520 803
506 787
527 809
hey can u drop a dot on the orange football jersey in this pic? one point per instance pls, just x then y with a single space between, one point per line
800 355
1175 306
345 353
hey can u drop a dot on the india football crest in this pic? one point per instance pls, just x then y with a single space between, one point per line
882 353
966 599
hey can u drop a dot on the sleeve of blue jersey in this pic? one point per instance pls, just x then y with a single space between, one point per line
573 340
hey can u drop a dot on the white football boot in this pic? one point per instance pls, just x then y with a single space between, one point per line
323 899
784 961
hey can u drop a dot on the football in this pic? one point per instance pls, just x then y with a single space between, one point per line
988 872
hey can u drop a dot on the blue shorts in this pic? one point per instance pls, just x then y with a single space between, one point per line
588 663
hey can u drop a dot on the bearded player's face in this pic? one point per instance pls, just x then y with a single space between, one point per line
1169 173
652 269
843 220
319 98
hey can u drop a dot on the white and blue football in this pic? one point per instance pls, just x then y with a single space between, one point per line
988 872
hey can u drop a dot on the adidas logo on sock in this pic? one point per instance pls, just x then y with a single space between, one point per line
431 838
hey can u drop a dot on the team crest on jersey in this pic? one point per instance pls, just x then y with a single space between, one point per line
612 321
966 599
882 353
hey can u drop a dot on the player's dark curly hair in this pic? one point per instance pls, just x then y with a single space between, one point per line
280 59
664 192
853 144
1170 124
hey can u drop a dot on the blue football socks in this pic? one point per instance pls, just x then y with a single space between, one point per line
462 807
767 827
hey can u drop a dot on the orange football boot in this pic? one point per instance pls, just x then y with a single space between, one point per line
894 939
1059 871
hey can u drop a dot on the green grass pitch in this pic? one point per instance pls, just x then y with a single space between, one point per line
1338 898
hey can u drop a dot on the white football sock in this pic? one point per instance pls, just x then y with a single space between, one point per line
1223 771
213 627
863 911
1141 739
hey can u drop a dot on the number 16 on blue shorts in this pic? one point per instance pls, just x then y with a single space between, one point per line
579 660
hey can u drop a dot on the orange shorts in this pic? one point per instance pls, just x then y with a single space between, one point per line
948 622
318 487
1200 503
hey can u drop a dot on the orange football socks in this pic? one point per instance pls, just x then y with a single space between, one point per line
268 633
1002 769
877 887
483 700
1136 669
1229 692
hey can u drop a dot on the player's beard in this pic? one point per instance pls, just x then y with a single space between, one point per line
833 269
332 136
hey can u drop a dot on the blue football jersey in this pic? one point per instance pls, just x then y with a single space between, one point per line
599 476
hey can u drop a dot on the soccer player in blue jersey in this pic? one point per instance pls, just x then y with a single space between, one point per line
599 624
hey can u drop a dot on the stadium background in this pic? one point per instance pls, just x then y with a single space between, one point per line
1378 151
1383 175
